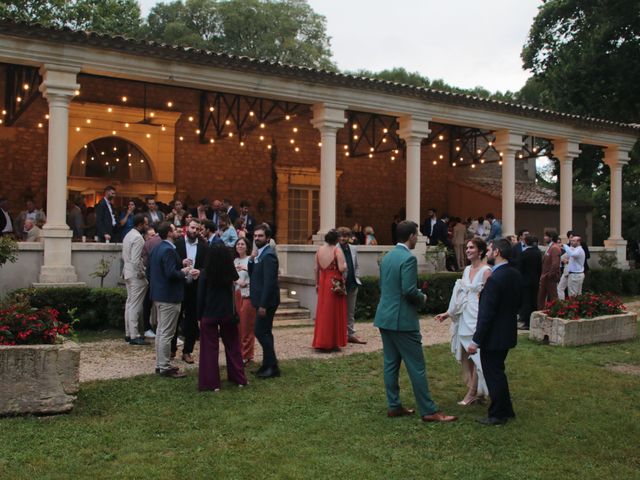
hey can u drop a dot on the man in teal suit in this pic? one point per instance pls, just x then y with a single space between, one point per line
397 319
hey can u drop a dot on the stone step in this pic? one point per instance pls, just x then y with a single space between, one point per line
298 322
290 313
287 303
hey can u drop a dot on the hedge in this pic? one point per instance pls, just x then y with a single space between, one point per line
95 307
439 288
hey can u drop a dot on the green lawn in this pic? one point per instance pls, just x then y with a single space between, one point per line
326 419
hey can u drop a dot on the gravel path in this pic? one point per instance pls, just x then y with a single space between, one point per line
108 359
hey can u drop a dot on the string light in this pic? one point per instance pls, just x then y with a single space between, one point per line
295 129
117 160
262 125
211 109
113 132
82 162
384 140
86 146
482 160
109 110
169 104
129 155
40 125
371 155
251 114
77 92
102 153
181 138
371 149
190 118
197 131
126 125
148 135
297 149
230 134
479 151
355 137
287 117
77 129
441 157
212 140
4 112
124 99
242 144
269 146
473 165
346 147
115 149
26 86
520 155
320 144
393 159
454 164
435 162
163 128
433 145
500 163
142 160
440 137
1 121
346 154
88 121
490 144
18 99
292 141
227 122
355 126
152 114
261 138
385 130
129 163
106 163
457 149
396 152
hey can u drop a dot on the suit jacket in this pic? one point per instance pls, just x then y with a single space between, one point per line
500 301
166 279
151 222
104 220
233 214
263 271
530 266
399 294
356 266
3 221
132 247
201 251
551 262
515 254
439 234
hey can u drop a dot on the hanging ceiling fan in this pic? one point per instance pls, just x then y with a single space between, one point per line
146 119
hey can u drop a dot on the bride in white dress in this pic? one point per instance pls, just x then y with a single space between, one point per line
463 311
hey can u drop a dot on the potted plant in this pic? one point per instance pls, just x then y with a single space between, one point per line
39 370
584 319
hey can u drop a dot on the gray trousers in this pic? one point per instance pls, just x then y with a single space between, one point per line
167 316
136 290
352 296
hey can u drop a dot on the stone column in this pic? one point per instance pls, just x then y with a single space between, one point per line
508 143
58 87
412 130
328 119
616 158
565 151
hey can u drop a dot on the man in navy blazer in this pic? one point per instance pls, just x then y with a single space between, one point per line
265 297
105 215
167 275
497 329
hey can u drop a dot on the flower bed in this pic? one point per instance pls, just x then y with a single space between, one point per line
39 370
583 320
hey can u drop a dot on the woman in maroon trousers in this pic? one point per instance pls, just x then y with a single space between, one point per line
215 311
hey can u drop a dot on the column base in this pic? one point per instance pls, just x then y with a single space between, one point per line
318 238
619 246
57 268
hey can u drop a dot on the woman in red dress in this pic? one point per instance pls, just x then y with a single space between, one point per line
331 313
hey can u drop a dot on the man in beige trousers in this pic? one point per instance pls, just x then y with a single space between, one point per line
134 279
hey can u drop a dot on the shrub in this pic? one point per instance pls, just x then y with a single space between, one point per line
587 305
94 307
438 289
21 324
603 280
8 250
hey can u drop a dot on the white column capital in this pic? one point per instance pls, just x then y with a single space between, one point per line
566 150
614 156
59 81
328 117
413 128
508 141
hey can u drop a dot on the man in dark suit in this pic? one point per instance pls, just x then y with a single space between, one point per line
518 248
105 215
429 222
440 232
6 222
265 297
529 265
195 250
230 210
496 330
167 275
249 221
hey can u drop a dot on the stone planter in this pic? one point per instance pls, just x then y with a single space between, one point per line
607 328
39 379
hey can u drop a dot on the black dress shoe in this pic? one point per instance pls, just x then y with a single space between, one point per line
138 341
259 370
269 372
127 339
492 421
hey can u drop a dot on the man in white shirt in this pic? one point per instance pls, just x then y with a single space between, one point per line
576 255
135 280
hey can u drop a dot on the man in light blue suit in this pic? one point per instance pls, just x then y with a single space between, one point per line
399 324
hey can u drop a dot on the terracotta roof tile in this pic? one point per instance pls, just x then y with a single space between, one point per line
206 57
527 193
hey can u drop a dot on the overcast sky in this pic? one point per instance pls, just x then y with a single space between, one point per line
465 42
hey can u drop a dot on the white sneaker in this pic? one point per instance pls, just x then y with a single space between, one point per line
149 334
180 342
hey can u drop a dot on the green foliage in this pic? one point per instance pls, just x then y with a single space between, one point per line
116 17
401 75
587 305
103 267
8 250
612 280
94 307
439 288
286 31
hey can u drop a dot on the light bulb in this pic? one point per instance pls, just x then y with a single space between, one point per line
148 135
297 149
295 129
169 104
287 117
113 132
124 99
190 118
40 125
109 109
440 137
181 138
262 125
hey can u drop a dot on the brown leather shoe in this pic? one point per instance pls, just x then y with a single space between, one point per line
400 412
187 358
171 373
355 339
439 417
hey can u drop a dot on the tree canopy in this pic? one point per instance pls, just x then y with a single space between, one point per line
585 59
